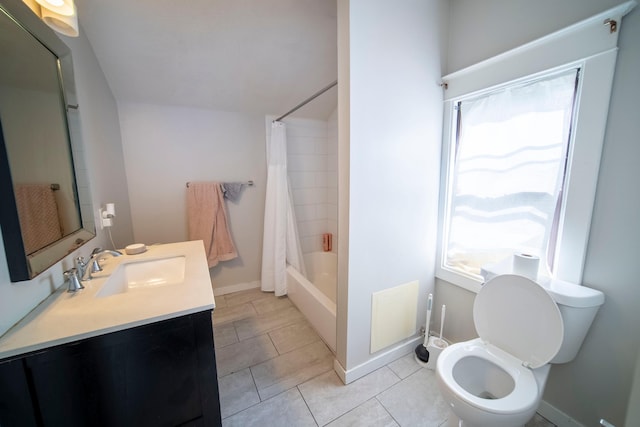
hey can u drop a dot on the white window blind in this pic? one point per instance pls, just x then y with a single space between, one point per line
509 169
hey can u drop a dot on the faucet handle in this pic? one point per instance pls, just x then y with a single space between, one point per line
71 276
90 269
81 267
95 266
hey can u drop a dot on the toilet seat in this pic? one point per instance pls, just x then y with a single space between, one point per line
525 391
518 316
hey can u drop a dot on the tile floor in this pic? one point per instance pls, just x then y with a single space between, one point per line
274 370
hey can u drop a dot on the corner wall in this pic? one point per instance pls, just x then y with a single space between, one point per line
167 146
389 72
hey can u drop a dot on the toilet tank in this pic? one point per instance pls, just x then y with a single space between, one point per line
578 306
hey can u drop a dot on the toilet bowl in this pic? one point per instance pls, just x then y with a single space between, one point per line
486 386
497 380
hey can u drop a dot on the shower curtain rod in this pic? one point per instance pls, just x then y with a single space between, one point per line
306 101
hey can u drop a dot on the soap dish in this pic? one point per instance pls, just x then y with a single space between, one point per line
136 248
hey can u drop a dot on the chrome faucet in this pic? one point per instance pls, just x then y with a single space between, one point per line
71 276
93 265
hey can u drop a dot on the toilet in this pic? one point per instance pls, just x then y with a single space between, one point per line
497 380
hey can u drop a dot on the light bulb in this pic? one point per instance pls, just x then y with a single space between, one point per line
61 7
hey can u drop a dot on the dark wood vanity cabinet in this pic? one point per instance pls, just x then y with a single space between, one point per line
161 374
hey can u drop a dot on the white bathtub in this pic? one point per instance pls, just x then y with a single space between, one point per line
316 297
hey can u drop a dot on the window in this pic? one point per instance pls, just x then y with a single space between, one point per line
522 140
509 165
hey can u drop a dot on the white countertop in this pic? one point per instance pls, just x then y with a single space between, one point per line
66 317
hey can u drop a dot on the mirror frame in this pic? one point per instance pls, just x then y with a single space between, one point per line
21 267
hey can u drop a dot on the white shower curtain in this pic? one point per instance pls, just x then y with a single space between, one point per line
280 244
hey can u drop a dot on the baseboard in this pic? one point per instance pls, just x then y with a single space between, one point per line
556 416
236 288
380 360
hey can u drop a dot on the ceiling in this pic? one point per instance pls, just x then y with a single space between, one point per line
253 56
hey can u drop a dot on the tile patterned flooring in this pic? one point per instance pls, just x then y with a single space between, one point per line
274 370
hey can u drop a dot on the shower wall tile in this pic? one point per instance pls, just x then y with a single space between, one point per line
311 244
301 145
312 228
313 176
310 196
306 128
303 179
307 162
332 178
320 146
332 165
307 145
306 213
321 179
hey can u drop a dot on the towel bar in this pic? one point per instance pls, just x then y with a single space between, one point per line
247 183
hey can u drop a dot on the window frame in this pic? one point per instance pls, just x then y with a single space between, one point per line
589 46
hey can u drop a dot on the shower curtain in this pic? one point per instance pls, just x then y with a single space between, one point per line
281 244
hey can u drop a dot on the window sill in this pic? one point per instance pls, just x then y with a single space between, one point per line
465 282
474 285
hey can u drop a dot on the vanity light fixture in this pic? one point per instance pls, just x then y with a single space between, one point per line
60 15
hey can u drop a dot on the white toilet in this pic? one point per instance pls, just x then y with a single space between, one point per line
497 380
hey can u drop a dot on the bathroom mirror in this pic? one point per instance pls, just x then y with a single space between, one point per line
46 209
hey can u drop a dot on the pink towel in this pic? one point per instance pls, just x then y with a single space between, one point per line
208 221
38 212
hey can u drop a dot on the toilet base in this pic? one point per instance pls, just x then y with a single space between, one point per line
455 421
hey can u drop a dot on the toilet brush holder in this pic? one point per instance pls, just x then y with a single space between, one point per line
435 346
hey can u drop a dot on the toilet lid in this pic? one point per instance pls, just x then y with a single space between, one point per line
518 316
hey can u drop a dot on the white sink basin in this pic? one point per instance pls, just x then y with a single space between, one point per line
144 274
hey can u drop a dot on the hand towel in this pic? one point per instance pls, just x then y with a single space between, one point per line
38 213
207 219
232 190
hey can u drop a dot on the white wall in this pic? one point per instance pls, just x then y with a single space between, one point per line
598 382
312 169
103 153
167 146
481 29
633 407
101 142
394 110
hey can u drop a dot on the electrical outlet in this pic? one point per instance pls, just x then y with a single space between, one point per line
105 219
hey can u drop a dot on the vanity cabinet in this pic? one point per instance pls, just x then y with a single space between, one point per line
160 374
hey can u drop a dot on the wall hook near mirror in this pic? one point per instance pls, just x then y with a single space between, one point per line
613 25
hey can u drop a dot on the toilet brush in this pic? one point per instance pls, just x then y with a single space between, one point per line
440 342
422 354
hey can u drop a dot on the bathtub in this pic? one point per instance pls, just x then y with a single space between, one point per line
316 297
